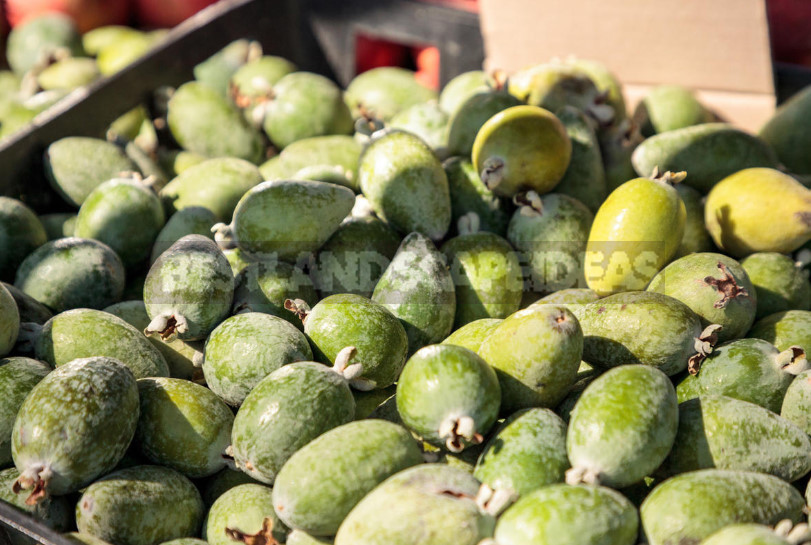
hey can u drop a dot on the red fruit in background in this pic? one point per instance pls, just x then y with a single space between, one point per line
88 14
427 66
789 30
373 53
167 13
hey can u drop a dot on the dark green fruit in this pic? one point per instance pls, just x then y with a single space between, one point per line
585 178
473 334
461 88
9 321
21 232
780 284
244 514
472 114
670 107
265 285
787 132
55 513
194 220
18 376
469 194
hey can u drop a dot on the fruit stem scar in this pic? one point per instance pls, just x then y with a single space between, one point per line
262 537
492 172
704 345
299 307
726 286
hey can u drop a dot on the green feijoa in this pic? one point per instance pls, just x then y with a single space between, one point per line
787 132
253 82
748 534
321 483
286 219
472 114
748 369
780 284
98 38
622 427
405 184
462 87
84 332
418 289
338 154
244 514
72 273
297 537
555 85
188 290
456 414
571 298
216 184
605 81
215 72
9 321
385 91
220 483
80 538
469 194
18 376
204 122
183 426
716 287
194 220
305 105
284 412
74 426
117 55
125 214
696 238
68 73
246 348
486 274
617 145
641 327
585 178
353 259
58 224
343 320
550 234
670 107
717 431
689 507
585 376
796 406
38 38
367 403
185 541
527 452
426 120
238 259
264 286
709 153
140 505
536 353
21 232
430 504
55 513
76 165
473 334
177 354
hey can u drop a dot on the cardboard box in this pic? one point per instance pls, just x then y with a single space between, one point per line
719 48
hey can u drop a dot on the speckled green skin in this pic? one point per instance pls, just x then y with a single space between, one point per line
126 50
685 280
797 402
405 184
185 541
305 105
336 153
253 80
668 108
264 286
561 514
526 453
83 333
140 505
426 120
532 144
462 87
238 259
220 483
785 329
426 505
536 353
68 74
469 194
177 354
284 412
551 244
779 283
124 214
193 279
473 334
18 376
204 122
696 238
321 483
708 152
21 232
297 537
183 426
469 388
745 534
745 369
585 178
40 36
339 321
81 538
216 184
246 348
623 425
244 508
585 376
286 218
787 132
687 508
487 276
215 72
385 91
353 259
72 273
77 422
194 220
417 288
76 165
54 513
572 298
9 321
58 224
716 431
639 327
472 114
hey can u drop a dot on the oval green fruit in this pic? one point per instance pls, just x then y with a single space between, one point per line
785 329
21 232
18 376
242 513
385 91
264 286
473 334
9 321
780 284
469 194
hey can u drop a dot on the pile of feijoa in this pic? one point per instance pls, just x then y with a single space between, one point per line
511 313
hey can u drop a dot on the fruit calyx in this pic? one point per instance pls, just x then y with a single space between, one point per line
262 537
529 204
726 286
583 475
167 326
457 430
37 478
494 502
468 224
793 360
492 172
704 344
352 372
224 236
796 535
299 307
670 178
